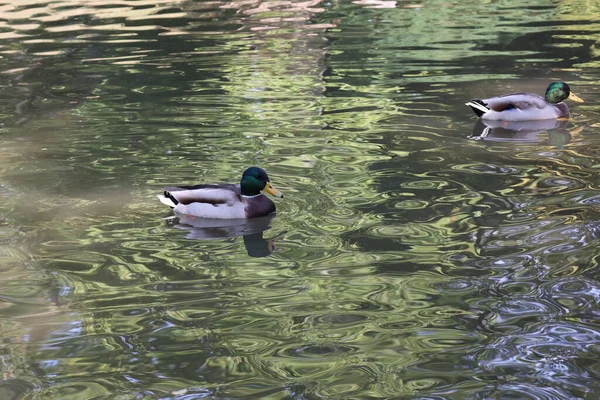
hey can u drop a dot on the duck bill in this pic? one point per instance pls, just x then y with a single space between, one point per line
272 191
573 97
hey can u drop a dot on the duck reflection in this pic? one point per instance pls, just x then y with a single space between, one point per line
522 131
251 229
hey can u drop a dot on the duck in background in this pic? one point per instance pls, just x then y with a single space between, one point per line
526 106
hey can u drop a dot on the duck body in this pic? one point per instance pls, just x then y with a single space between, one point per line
224 201
526 106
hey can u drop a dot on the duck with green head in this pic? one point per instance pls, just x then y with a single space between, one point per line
226 200
526 106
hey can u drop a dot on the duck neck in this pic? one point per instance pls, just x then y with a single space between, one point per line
563 110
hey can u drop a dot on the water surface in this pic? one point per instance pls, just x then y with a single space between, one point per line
413 255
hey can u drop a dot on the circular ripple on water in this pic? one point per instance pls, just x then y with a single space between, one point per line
574 293
156 245
83 390
511 315
346 382
510 310
343 213
403 325
316 351
410 232
519 288
250 344
458 286
523 391
508 262
592 200
540 349
307 305
562 248
560 234
419 385
341 319
441 313
443 339
485 169
521 217
425 184
412 204
560 182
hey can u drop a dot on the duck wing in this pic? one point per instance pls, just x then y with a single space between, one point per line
209 194
521 101
228 186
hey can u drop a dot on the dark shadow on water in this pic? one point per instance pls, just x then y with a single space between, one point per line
522 131
213 229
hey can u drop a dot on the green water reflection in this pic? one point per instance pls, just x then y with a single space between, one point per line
412 257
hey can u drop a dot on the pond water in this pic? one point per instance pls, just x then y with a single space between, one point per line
416 254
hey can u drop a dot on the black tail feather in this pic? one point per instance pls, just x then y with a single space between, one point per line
171 197
477 111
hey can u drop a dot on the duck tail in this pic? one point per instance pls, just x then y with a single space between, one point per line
478 107
168 199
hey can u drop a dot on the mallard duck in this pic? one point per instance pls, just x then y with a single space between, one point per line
224 201
526 106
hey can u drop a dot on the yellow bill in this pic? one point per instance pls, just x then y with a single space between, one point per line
272 191
573 97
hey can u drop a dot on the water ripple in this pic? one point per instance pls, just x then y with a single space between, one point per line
407 261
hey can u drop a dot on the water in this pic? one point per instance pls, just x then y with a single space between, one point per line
413 255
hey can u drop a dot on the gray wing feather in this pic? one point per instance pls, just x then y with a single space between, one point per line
212 194
522 101
229 186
